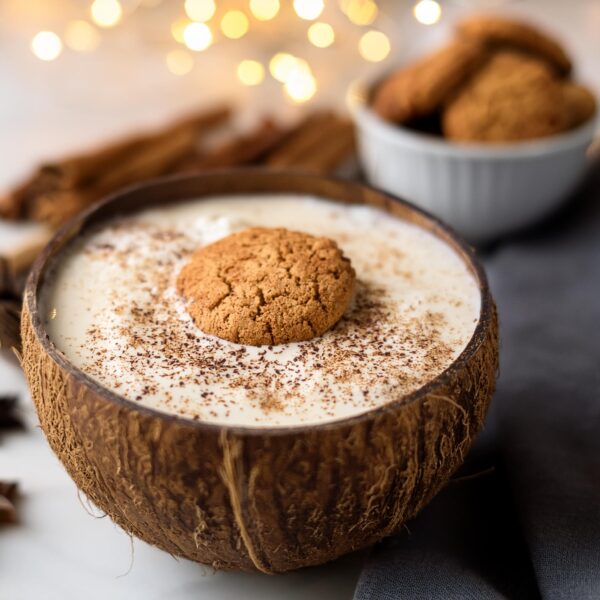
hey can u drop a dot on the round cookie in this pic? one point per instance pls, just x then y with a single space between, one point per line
420 89
502 31
580 102
267 286
513 97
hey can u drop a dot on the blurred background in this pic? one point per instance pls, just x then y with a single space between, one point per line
76 72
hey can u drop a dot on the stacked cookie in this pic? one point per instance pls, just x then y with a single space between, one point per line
500 80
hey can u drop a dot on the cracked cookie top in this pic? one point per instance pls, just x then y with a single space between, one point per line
420 89
514 96
265 286
496 31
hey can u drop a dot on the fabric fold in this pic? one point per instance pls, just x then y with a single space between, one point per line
533 525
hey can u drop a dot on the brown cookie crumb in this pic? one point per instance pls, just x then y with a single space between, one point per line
420 89
580 102
267 286
514 96
509 32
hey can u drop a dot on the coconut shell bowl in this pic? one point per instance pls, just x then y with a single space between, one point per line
257 499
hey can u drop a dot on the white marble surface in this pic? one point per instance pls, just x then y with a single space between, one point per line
58 550
64 549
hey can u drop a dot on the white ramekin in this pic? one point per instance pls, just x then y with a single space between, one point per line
484 191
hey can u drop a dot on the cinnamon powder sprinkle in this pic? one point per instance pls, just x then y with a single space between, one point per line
146 346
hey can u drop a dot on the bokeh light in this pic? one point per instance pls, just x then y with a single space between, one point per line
427 12
46 45
301 85
321 35
282 65
106 13
197 36
200 10
250 72
264 10
308 9
179 62
178 29
361 12
234 24
81 36
374 46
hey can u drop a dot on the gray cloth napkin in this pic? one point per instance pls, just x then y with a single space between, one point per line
530 527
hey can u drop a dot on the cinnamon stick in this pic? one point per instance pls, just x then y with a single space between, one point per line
150 160
93 174
301 139
319 144
155 160
241 150
81 170
57 206
336 148
13 206
59 190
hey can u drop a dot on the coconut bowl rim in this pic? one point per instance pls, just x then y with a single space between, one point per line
62 238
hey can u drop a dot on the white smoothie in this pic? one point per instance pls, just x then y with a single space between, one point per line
113 310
